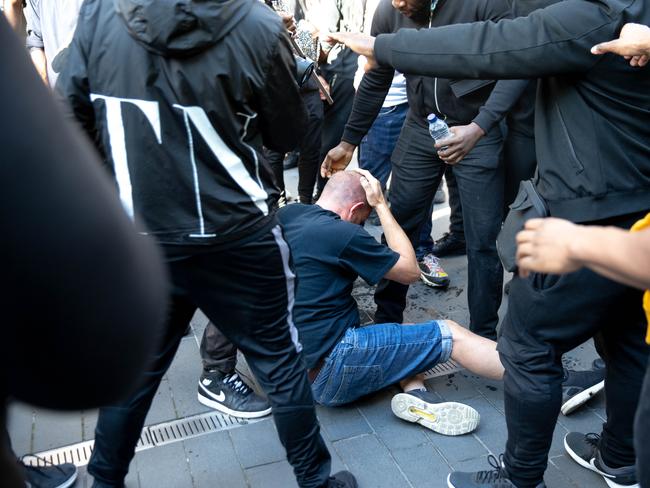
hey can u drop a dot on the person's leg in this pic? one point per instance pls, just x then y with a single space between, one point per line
335 116
456 216
119 425
217 352
477 354
377 146
248 293
416 174
642 433
425 241
480 183
547 316
370 358
309 162
275 159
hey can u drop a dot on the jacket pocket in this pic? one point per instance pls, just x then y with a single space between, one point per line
460 88
572 153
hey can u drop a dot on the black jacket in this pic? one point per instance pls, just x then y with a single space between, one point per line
459 101
180 99
592 117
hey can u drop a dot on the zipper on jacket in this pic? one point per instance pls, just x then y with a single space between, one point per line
578 165
434 4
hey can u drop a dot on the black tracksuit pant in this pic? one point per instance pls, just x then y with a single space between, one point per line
547 316
417 172
247 291
310 148
642 433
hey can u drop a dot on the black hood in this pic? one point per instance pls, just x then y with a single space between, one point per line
178 28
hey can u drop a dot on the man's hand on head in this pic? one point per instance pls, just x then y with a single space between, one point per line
372 187
289 21
360 43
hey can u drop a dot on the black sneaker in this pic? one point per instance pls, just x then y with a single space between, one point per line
431 272
450 245
579 387
493 478
583 449
448 418
49 475
229 394
342 479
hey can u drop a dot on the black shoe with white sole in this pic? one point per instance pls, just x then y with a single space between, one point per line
229 394
49 475
448 418
583 449
579 387
497 477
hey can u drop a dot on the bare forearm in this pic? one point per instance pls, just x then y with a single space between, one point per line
40 63
395 236
617 254
13 10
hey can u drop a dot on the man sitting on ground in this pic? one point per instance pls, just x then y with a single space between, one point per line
346 361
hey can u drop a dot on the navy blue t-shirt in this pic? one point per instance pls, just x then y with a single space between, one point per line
328 255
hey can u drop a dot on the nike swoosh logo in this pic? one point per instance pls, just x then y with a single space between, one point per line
220 397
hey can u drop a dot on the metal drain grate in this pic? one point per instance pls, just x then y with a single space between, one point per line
443 369
152 436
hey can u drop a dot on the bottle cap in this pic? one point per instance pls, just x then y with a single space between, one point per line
431 117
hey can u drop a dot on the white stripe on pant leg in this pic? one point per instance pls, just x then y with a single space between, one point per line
291 281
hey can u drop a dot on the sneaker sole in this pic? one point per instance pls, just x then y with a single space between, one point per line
581 398
611 483
235 413
449 483
448 418
433 284
69 482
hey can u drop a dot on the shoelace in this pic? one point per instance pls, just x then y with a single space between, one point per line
40 468
237 384
431 261
492 475
593 439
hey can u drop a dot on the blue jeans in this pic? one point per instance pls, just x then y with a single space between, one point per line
370 358
377 146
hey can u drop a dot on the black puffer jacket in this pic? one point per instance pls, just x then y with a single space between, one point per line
180 97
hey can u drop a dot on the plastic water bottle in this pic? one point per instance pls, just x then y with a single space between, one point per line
438 128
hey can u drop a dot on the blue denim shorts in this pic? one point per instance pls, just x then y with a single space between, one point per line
370 358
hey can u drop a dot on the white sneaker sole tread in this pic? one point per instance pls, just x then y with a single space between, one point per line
449 418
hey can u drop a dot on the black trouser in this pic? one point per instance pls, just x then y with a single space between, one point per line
217 352
417 171
456 215
520 163
547 316
310 147
642 433
336 115
247 291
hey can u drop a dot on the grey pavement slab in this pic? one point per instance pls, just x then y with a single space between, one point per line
213 461
422 465
257 444
54 429
342 422
164 466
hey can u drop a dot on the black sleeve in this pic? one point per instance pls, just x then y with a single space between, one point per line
84 294
373 88
551 41
282 114
503 97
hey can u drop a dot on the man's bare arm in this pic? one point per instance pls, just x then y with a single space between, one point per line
13 10
40 63
406 270
558 246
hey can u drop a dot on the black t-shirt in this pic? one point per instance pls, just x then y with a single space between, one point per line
328 255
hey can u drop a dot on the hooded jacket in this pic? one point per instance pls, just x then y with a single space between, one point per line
458 101
179 97
592 114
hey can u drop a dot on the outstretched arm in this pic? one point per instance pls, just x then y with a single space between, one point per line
558 246
633 43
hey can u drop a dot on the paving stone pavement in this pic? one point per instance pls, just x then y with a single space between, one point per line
380 449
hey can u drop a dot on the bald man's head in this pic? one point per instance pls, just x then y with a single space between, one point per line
344 195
